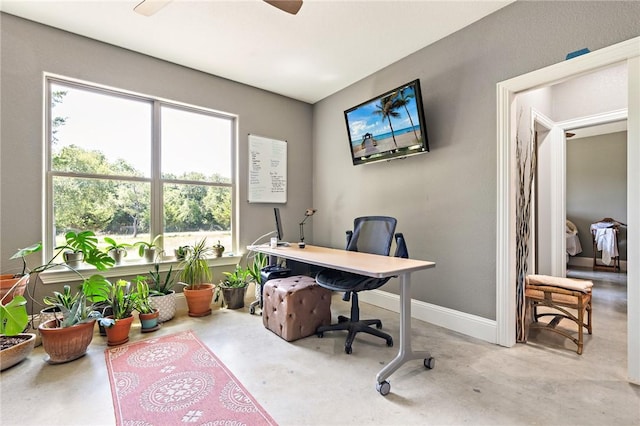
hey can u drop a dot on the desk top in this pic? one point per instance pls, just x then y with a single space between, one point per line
371 265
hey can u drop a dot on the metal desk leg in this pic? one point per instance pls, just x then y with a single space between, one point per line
405 353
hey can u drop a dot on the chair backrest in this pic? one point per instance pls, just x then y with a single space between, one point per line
372 234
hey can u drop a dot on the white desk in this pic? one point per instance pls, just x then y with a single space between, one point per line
375 266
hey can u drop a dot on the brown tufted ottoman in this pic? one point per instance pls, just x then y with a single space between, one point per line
294 307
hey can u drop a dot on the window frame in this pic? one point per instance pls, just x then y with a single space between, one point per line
155 179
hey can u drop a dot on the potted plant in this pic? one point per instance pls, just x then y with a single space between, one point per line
122 298
149 250
78 246
162 293
181 252
8 287
67 337
14 345
218 249
116 250
147 314
195 276
234 287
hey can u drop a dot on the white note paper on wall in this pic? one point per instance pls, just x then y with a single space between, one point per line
267 170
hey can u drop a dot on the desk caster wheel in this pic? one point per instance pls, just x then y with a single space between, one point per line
347 350
384 388
429 363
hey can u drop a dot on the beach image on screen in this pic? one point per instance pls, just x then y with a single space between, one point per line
385 124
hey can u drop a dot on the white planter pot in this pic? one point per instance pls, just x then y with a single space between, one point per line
166 304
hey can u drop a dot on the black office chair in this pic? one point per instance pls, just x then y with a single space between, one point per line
371 234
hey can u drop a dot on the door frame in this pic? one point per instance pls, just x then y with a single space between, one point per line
507 91
559 177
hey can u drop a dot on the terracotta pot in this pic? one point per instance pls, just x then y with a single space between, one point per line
234 297
7 281
118 333
166 304
65 344
199 300
149 322
16 353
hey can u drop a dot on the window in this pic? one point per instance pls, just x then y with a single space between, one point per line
131 167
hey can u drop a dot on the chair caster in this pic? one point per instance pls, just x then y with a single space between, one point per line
429 363
252 310
342 319
384 388
320 335
347 350
390 342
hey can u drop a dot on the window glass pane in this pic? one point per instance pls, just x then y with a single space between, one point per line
99 133
192 212
195 146
115 209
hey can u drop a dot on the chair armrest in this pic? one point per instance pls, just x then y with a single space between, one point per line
401 247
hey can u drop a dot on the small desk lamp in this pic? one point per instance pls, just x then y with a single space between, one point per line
307 215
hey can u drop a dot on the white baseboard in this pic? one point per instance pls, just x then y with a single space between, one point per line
471 325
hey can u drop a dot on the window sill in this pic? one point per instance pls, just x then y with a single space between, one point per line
64 275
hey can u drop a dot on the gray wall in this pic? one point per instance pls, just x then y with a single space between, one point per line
597 185
445 200
28 49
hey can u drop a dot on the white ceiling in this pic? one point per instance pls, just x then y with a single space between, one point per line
326 47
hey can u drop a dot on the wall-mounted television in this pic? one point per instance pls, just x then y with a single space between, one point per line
388 126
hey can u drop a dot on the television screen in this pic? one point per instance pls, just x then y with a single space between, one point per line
388 126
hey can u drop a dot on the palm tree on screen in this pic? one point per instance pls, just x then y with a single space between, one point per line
387 109
404 99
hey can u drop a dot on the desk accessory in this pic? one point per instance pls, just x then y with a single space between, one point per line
307 215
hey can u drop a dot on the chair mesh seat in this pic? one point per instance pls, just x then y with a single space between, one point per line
374 235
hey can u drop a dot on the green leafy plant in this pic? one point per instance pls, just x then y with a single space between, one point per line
79 307
143 303
113 245
181 252
239 278
122 298
260 260
22 253
64 298
146 245
74 308
195 268
77 242
86 242
159 285
13 316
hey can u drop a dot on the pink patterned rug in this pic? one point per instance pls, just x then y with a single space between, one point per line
176 379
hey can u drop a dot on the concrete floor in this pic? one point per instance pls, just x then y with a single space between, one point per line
313 382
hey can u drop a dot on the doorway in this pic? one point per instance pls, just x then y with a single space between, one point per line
628 51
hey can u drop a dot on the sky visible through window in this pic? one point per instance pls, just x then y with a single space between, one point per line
120 128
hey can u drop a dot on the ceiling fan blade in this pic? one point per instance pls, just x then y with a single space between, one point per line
149 7
289 6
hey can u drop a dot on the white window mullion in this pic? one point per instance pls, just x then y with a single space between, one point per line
48 239
156 173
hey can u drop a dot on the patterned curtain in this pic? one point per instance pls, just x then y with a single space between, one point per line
526 162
